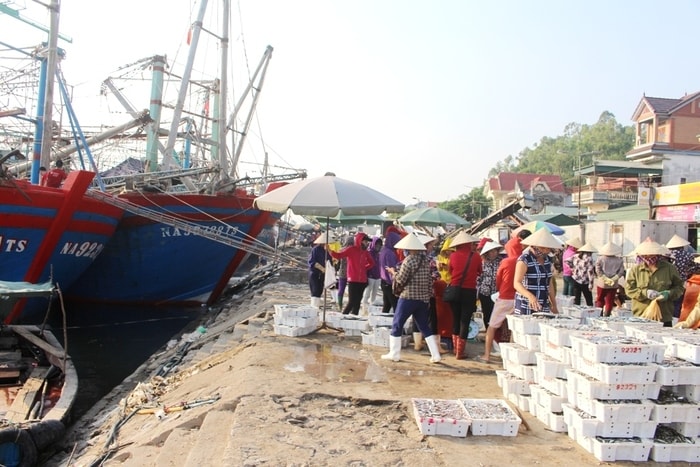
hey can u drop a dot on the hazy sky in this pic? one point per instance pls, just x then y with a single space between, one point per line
418 99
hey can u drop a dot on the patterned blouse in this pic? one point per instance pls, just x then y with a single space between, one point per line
536 280
683 260
414 275
582 269
486 282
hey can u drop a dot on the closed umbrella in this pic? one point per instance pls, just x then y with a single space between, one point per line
432 216
327 196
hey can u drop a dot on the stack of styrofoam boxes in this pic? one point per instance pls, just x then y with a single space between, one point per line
619 368
352 325
621 323
677 410
491 417
295 320
379 328
441 417
581 312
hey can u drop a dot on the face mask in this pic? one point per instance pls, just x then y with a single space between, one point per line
649 260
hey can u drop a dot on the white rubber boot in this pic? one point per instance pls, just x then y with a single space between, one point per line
418 341
316 302
394 349
434 347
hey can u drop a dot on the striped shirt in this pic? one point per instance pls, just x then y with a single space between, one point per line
414 275
536 280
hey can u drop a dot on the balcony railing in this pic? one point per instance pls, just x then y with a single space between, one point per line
592 197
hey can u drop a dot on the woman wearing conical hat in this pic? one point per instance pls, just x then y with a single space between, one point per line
682 257
653 278
609 268
534 291
572 247
583 273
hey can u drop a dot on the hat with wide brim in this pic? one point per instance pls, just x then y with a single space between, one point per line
650 248
677 242
542 238
610 249
588 248
488 246
424 237
574 242
461 238
410 242
323 238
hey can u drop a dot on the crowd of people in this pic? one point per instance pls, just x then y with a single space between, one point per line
443 281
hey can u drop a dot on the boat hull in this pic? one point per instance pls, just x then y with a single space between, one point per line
147 262
49 234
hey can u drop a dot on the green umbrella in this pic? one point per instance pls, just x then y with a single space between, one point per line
432 216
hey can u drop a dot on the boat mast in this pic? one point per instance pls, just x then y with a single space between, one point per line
44 157
223 89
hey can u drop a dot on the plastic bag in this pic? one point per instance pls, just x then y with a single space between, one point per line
652 311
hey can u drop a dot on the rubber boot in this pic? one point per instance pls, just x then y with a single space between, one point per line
434 347
459 349
418 341
394 349
316 302
454 342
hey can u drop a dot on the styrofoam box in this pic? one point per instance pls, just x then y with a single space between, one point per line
359 324
288 311
674 371
298 321
689 391
441 417
654 333
556 386
618 323
628 411
517 353
292 331
617 349
687 348
385 320
553 421
557 352
557 332
505 422
676 452
529 341
549 367
581 312
376 310
524 324
594 389
677 412
689 429
617 450
526 372
616 373
511 384
546 399
564 300
589 426
523 402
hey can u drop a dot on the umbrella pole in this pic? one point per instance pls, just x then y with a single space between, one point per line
325 325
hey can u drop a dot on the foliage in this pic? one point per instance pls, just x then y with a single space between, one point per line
471 206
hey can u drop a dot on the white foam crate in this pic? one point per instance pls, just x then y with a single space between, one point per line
549 367
557 352
292 331
676 452
382 320
689 391
440 417
618 323
517 353
620 449
298 321
689 429
526 372
376 310
511 384
588 426
356 324
686 348
674 371
654 333
564 301
617 349
491 417
594 389
556 386
524 324
521 401
676 412
558 332
581 312
529 341
553 421
292 310
616 373
546 399
617 411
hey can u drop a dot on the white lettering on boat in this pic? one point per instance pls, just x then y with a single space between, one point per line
84 249
13 245
224 230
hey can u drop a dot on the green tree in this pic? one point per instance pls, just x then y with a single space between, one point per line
471 206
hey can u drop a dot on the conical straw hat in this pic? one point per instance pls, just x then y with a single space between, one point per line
542 238
462 238
323 238
410 242
588 248
677 242
488 246
649 247
610 249
575 242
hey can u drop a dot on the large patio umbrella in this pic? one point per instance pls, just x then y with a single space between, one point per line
433 217
327 196
533 226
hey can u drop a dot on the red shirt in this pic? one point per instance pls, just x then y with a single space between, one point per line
504 278
55 177
458 261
